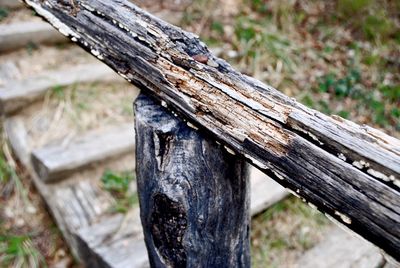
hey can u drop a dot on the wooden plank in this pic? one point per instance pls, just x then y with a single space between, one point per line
15 95
194 195
18 138
340 249
18 35
11 4
116 241
56 162
347 171
8 72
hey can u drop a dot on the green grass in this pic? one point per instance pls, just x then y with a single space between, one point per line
117 183
288 227
3 13
19 251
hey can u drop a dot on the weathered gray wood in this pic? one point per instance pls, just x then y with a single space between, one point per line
15 95
116 241
56 162
8 72
18 35
348 171
193 194
18 138
341 250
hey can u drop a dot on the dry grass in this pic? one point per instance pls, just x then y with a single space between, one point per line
68 112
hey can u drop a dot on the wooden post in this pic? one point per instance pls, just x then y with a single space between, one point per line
193 193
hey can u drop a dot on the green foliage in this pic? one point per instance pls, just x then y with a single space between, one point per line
308 101
351 7
377 26
19 251
30 47
344 114
217 27
3 13
259 5
269 238
342 87
118 185
391 92
58 90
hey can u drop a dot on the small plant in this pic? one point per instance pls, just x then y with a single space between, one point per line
342 87
58 90
118 185
3 14
352 7
19 251
377 26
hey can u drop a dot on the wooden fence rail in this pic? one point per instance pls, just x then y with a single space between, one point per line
347 171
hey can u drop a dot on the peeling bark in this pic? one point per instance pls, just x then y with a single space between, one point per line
348 171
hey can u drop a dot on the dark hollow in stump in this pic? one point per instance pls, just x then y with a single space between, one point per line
193 193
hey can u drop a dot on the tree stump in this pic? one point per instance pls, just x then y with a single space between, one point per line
193 193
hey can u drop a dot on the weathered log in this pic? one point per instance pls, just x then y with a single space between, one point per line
194 195
348 171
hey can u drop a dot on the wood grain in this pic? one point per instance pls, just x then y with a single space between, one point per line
348 171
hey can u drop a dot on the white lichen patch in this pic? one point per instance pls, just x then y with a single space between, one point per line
229 150
124 76
312 205
212 63
97 54
256 162
192 126
342 157
62 28
343 217
360 164
293 193
279 176
378 174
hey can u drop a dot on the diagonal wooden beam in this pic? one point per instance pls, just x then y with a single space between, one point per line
348 171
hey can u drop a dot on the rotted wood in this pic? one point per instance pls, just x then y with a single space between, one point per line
193 193
348 171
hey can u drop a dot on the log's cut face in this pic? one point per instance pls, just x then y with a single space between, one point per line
348 171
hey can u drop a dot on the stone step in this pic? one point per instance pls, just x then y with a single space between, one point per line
16 94
11 4
56 162
18 35
341 249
